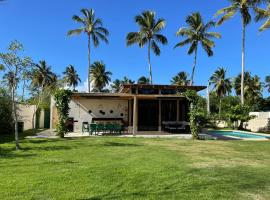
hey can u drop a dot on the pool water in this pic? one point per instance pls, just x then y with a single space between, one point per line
238 134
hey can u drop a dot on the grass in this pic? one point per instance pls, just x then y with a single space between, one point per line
134 168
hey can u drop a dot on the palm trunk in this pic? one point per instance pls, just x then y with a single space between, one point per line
15 118
194 66
243 61
219 113
89 65
208 99
23 89
149 63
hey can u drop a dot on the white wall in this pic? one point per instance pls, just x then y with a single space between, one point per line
79 110
260 123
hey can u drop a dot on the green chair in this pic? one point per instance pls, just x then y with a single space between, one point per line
85 127
109 127
117 128
100 128
93 129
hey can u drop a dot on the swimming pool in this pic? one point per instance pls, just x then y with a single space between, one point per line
238 134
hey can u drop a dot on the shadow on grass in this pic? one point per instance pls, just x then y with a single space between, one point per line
119 144
10 153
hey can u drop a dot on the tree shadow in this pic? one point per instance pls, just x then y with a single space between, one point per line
119 144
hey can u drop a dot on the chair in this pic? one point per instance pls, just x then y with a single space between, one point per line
93 129
109 127
85 127
100 128
117 128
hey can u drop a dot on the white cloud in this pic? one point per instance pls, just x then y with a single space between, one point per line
83 87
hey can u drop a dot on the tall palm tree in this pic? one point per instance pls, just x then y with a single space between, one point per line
252 89
263 14
71 77
267 83
93 28
143 80
243 7
197 33
180 79
99 76
149 34
42 77
222 85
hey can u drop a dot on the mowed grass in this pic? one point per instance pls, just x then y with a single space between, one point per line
134 168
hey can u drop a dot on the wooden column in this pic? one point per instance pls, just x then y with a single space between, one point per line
177 110
159 115
135 115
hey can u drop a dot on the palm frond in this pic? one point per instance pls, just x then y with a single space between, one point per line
155 48
160 38
75 31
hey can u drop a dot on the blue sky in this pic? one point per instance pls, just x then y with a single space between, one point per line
41 25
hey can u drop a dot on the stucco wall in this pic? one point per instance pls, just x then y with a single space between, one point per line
25 114
79 110
260 123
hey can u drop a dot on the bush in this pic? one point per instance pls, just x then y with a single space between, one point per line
6 122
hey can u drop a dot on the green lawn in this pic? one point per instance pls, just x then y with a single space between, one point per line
134 168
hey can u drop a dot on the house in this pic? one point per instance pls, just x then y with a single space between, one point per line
137 107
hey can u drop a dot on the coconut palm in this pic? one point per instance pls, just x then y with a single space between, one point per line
197 33
252 89
243 7
93 28
99 76
267 83
149 34
41 78
180 79
143 80
71 77
116 85
222 85
263 14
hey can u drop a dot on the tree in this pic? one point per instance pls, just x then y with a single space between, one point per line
99 76
180 79
143 80
197 33
267 83
252 89
15 65
261 15
116 86
71 77
43 82
222 85
6 125
94 29
149 34
243 7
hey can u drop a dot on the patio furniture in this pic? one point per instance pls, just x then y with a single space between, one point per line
100 128
117 128
175 127
93 128
85 127
109 127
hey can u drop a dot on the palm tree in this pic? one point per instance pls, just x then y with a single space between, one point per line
252 89
42 77
99 76
143 80
222 85
149 34
243 7
267 83
116 85
71 77
263 14
197 33
93 28
180 79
